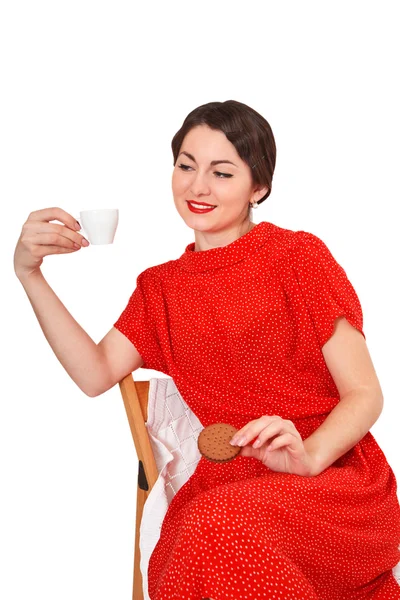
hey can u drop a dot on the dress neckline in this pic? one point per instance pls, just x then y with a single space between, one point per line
236 251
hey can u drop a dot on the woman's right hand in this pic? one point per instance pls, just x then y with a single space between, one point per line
39 237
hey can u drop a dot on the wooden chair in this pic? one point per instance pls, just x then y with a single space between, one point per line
135 395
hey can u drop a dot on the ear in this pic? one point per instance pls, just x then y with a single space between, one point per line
258 193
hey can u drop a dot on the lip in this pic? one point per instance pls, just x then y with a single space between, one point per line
201 211
202 203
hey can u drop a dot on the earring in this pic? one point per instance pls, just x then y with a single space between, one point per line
254 205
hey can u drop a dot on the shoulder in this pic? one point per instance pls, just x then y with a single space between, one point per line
311 260
302 254
303 238
305 245
295 243
158 272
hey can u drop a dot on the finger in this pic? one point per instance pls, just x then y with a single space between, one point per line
55 213
47 250
275 428
53 239
252 429
248 451
60 231
293 429
287 439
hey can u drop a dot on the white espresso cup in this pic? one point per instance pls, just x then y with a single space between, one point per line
99 224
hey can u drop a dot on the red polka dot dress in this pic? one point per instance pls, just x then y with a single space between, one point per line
240 329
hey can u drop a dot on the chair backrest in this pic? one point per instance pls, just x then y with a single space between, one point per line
135 395
165 432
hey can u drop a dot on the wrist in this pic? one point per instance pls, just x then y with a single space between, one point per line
316 466
26 276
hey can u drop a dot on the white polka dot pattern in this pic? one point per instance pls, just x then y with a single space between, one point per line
240 330
137 323
324 285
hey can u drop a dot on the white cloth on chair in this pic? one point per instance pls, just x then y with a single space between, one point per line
396 571
173 429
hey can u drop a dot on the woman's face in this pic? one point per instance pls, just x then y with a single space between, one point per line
227 186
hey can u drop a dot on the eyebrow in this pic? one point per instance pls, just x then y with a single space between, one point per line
213 162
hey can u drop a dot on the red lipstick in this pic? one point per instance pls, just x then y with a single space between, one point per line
207 207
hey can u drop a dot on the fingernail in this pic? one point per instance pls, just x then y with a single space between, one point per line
77 226
241 441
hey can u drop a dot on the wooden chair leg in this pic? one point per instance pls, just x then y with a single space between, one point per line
141 497
135 396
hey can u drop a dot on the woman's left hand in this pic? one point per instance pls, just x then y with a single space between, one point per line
278 445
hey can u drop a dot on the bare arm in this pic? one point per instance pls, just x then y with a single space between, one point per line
121 357
94 368
361 397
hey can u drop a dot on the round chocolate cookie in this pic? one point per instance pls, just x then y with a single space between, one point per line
213 442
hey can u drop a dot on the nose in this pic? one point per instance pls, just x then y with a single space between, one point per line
199 185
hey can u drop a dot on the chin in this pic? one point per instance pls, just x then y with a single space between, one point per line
197 225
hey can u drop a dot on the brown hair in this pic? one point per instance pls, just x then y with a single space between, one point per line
245 128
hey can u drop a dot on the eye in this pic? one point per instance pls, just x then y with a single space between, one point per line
223 175
184 167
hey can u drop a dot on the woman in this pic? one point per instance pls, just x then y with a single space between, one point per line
259 327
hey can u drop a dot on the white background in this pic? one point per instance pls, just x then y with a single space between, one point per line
91 96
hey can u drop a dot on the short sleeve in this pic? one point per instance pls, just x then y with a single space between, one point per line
324 285
137 322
